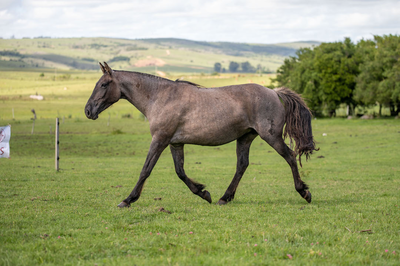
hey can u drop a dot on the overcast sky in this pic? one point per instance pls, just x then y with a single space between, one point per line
253 21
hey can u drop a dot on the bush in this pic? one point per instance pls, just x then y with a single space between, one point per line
120 58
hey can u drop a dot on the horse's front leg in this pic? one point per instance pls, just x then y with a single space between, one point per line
196 188
156 148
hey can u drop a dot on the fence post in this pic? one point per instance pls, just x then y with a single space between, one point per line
34 118
57 143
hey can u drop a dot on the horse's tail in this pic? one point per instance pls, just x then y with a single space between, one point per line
298 122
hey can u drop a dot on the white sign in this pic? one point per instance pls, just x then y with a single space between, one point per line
5 134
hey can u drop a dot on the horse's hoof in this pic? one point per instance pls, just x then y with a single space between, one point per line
222 202
307 197
207 196
123 205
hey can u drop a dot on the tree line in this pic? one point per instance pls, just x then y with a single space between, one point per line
244 67
362 74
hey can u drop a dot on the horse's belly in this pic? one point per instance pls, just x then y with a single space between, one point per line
211 133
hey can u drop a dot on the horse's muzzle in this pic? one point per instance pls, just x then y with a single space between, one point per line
90 113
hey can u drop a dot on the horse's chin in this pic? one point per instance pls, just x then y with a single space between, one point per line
97 112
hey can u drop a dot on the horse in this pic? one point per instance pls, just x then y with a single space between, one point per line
181 112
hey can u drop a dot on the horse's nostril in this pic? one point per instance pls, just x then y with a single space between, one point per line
87 112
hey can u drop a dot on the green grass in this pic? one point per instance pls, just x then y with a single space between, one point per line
70 217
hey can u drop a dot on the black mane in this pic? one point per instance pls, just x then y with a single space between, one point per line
161 78
190 83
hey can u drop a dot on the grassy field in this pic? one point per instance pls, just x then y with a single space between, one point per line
70 217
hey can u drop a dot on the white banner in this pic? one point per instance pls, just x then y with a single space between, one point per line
5 134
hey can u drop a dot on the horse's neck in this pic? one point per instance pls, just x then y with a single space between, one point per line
139 90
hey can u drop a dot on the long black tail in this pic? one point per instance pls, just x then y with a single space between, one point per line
298 122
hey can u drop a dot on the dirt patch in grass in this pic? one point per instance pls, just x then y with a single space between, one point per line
150 62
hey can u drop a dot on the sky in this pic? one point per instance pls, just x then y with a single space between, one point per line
248 21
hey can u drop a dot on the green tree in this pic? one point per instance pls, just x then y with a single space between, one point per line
325 75
337 67
285 71
247 67
298 74
217 67
233 66
379 79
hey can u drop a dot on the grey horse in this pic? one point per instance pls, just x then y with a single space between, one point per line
181 112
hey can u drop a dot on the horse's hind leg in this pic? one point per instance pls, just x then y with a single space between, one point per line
242 152
196 188
280 146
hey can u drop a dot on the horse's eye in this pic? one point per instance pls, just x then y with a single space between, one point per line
104 85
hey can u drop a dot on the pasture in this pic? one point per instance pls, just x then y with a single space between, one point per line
70 217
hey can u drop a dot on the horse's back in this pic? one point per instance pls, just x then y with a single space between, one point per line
254 101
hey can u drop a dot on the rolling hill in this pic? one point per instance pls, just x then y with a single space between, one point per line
146 55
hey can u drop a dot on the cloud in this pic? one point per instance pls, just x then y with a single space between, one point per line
5 15
224 20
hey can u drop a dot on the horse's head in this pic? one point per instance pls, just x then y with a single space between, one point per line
105 93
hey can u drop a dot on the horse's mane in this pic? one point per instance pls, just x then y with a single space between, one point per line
190 83
163 79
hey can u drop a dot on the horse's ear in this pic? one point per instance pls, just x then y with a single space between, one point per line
102 68
108 69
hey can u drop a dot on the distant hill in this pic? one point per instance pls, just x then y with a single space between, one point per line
145 55
236 49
